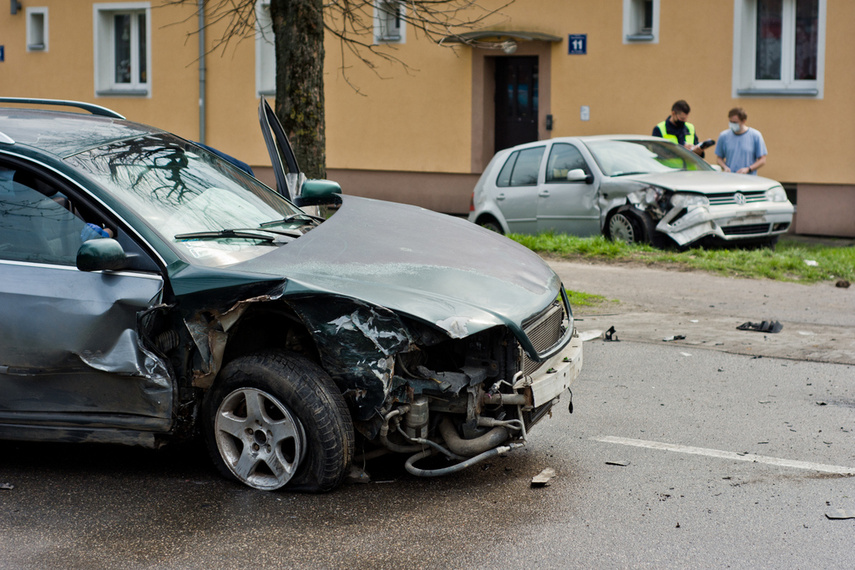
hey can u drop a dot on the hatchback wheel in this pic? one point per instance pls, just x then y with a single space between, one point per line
276 419
626 228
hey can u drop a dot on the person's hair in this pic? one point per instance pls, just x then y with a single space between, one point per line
681 107
739 112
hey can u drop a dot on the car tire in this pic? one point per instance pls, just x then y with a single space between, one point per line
625 226
491 224
275 419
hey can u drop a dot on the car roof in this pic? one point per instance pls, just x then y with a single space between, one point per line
64 133
586 139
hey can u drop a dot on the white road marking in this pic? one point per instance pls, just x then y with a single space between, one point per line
836 469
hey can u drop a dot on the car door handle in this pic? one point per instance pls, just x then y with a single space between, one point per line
543 194
500 197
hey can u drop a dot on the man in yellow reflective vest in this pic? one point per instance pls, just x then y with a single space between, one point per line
676 129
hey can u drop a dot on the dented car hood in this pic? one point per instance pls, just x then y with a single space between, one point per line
432 267
705 182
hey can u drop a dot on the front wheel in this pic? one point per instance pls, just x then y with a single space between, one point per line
625 227
275 419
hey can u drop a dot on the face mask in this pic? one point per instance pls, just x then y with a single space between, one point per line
734 127
679 124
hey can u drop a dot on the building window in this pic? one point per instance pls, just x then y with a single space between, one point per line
389 24
37 29
265 50
122 54
779 47
640 21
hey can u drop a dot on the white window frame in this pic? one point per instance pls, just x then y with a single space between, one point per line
265 50
745 49
388 27
634 30
37 29
103 26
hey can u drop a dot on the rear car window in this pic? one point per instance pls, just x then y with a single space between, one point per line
521 168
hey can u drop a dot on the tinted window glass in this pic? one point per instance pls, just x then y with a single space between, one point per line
525 170
562 159
507 169
36 223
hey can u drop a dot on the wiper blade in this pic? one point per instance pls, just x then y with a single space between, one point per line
298 217
250 233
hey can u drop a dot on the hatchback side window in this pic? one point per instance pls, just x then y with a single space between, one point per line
521 168
504 179
562 159
527 167
36 223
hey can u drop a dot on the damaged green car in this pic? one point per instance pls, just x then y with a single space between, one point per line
152 291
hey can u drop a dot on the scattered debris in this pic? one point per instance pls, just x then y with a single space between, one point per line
542 479
694 321
611 335
674 337
6 486
821 404
811 262
840 514
764 326
618 463
685 354
842 283
590 335
806 333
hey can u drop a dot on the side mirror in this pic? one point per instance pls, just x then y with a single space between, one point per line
716 167
314 192
578 175
101 254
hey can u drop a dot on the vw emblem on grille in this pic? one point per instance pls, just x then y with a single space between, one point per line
739 198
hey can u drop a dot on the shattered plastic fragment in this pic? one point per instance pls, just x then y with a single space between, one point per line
6 486
618 463
764 326
674 337
542 479
590 335
611 335
811 262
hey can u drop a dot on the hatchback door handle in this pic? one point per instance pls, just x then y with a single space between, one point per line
543 194
500 197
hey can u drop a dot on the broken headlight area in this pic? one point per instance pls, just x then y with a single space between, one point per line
469 399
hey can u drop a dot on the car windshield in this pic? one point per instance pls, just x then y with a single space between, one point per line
197 201
625 157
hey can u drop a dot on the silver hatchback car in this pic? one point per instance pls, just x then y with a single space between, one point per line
627 187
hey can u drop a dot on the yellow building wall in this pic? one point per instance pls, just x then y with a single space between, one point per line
414 118
420 118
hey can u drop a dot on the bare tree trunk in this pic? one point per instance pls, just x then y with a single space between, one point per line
299 30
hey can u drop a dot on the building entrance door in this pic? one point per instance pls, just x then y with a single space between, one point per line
516 101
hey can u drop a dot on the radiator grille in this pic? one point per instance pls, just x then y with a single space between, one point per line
544 331
730 198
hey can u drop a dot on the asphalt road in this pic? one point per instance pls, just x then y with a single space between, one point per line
676 455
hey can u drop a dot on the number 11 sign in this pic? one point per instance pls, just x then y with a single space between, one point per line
578 44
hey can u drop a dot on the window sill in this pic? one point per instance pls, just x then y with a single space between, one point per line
640 37
122 93
778 92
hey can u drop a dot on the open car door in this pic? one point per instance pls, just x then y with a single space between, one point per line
289 179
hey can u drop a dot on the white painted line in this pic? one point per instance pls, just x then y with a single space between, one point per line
837 469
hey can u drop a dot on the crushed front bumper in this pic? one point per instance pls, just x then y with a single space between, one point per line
554 375
728 223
